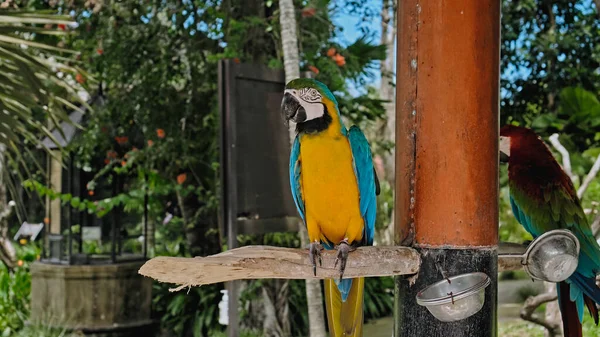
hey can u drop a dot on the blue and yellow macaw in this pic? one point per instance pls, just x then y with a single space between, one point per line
334 186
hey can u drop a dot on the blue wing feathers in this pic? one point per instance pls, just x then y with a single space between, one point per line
522 218
363 168
295 171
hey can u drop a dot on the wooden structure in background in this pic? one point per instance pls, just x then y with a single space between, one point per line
77 288
254 158
103 300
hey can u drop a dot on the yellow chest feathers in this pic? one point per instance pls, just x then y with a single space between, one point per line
329 188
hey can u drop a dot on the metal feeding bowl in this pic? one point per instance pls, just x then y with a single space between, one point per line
456 297
552 256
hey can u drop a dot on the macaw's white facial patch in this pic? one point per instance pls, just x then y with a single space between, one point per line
310 99
313 110
505 145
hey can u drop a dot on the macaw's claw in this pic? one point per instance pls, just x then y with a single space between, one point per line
343 249
314 253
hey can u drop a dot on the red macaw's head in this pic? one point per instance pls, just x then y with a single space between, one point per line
519 144
530 161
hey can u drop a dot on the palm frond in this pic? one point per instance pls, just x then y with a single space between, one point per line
35 92
29 78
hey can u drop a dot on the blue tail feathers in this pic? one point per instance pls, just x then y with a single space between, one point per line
580 286
344 287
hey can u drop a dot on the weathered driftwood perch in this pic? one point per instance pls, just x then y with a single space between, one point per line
266 262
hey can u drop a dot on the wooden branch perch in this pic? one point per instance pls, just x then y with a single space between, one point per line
266 262
532 303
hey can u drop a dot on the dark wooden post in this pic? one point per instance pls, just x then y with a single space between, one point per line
447 153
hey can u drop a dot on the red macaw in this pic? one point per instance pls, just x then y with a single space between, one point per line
543 198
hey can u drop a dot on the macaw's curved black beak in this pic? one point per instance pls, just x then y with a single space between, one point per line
292 110
503 157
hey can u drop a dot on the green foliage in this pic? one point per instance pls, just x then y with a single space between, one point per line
385 205
546 47
158 127
526 291
298 307
132 201
14 297
46 331
577 116
363 108
15 288
379 297
193 310
589 327
519 329
243 333
40 81
513 275
31 90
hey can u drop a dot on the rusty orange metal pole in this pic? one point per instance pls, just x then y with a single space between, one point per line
447 153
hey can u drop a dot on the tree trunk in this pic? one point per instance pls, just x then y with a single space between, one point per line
314 298
291 62
552 309
387 128
289 42
388 36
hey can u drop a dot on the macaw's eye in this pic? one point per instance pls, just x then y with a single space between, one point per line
310 95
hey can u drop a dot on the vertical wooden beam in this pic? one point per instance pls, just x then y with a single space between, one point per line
55 209
229 186
447 152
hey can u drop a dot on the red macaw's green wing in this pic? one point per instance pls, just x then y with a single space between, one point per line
556 206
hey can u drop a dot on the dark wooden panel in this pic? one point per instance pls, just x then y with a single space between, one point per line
254 148
263 151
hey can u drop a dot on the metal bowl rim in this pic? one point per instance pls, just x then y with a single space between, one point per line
469 291
539 239
554 232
